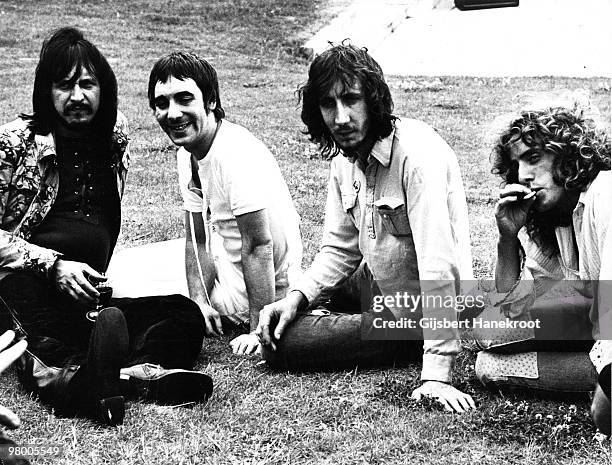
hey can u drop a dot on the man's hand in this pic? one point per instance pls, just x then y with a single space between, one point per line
246 344
280 314
8 356
514 202
71 278
450 397
212 318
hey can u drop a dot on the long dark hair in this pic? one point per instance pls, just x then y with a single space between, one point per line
64 51
581 151
345 63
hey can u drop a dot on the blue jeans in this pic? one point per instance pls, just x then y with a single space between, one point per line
328 336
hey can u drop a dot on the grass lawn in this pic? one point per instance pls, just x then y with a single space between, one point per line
255 415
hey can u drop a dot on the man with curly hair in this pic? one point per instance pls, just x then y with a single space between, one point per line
554 220
395 205
62 176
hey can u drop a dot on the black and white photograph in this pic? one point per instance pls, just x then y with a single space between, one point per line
305 232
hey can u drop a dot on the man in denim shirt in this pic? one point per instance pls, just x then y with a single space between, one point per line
396 205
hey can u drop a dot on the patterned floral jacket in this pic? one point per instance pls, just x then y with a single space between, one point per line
29 182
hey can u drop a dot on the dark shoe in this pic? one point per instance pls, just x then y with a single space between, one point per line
111 410
170 387
108 348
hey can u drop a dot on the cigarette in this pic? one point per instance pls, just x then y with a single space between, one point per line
531 194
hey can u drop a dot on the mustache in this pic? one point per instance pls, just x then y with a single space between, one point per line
347 126
77 107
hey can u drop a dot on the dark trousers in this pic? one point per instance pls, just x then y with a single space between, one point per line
330 334
164 330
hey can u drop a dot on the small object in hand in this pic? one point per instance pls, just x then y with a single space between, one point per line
106 292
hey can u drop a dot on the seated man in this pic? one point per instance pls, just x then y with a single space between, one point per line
243 243
62 172
396 203
554 220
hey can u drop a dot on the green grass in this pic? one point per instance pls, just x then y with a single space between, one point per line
255 415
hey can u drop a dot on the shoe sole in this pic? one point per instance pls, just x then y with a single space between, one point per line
175 388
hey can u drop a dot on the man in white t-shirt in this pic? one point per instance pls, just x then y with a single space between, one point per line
243 242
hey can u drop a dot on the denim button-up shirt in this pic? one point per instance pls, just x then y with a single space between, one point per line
28 188
406 215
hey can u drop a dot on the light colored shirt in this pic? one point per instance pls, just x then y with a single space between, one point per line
406 215
592 261
239 175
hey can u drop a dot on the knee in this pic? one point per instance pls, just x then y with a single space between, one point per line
184 312
113 319
110 313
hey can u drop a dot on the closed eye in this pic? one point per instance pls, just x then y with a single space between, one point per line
161 103
185 99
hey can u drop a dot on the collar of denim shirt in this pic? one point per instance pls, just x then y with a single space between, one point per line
382 149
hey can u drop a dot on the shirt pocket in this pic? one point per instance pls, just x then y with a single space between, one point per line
350 204
394 218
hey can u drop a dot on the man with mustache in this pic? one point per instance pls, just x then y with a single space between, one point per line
243 245
554 220
62 176
395 204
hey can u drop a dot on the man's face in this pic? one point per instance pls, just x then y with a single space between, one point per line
76 98
180 112
535 170
346 115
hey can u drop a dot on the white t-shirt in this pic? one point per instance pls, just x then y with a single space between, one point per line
239 175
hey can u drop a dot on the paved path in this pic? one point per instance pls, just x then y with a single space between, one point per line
432 38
